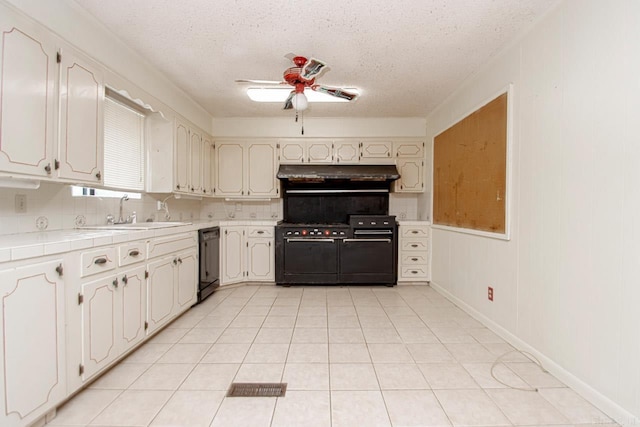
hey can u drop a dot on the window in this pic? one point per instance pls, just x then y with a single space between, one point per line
99 192
123 145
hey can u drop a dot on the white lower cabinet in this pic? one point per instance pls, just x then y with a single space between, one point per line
413 251
32 337
247 254
113 318
173 278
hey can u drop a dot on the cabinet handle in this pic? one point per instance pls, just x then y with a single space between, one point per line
56 164
178 186
125 280
260 231
115 283
180 260
99 176
48 168
100 261
134 253
414 231
414 272
414 259
414 246
175 261
59 270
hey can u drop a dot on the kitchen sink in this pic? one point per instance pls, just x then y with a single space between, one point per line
136 226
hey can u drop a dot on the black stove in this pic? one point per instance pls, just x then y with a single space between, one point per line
336 227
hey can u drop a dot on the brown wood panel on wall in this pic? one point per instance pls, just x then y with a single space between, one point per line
470 170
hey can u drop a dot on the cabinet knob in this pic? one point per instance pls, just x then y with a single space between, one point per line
59 270
125 279
99 176
48 168
115 283
178 186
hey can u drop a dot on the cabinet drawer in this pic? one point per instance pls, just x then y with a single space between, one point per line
415 272
253 232
97 261
131 253
414 259
171 244
414 231
414 245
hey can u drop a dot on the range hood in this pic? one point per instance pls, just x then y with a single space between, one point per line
327 173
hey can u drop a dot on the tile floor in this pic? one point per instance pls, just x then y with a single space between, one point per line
352 356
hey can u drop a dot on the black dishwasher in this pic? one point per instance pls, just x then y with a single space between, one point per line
209 261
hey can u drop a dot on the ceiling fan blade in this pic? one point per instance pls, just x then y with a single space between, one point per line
261 82
288 104
337 92
313 68
290 56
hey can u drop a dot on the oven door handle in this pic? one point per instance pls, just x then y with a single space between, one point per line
367 240
311 240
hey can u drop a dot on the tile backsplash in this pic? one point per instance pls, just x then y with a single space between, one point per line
52 205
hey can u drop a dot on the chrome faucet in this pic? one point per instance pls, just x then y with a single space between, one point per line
123 199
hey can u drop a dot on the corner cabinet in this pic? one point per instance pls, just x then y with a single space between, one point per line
409 157
32 341
33 58
246 169
247 254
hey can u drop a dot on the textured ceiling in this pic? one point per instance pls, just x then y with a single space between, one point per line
406 56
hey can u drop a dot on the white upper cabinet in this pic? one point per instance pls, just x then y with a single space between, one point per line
306 151
26 116
260 170
229 169
376 151
346 152
246 169
195 154
182 142
408 149
80 141
208 156
319 151
411 175
292 152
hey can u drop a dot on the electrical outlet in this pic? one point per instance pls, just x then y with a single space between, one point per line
490 293
403 215
21 203
160 206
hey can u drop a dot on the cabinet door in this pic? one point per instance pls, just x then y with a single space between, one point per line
260 260
32 340
100 324
134 304
160 292
229 171
187 279
292 152
411 176
408 149
208 156
80 144
232 259
27 80
320 151
182 157
195 150
261 170
347 152
376 151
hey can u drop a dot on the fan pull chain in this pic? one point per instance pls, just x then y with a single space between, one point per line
302 129
296 117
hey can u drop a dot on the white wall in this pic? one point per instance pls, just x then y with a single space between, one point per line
319 127
567 283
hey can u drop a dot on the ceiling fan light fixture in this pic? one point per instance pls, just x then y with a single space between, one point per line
299 101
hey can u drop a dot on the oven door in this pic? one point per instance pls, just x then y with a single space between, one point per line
309 260
368 260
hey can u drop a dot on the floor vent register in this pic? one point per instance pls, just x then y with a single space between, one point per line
257 390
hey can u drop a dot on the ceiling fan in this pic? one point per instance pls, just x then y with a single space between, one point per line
303 75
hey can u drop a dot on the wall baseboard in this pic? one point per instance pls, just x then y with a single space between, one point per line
602 402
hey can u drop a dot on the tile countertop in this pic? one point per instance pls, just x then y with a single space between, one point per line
409 223
20 246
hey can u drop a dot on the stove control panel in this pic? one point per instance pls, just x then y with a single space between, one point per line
316 232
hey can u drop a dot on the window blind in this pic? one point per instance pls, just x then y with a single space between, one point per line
123 146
